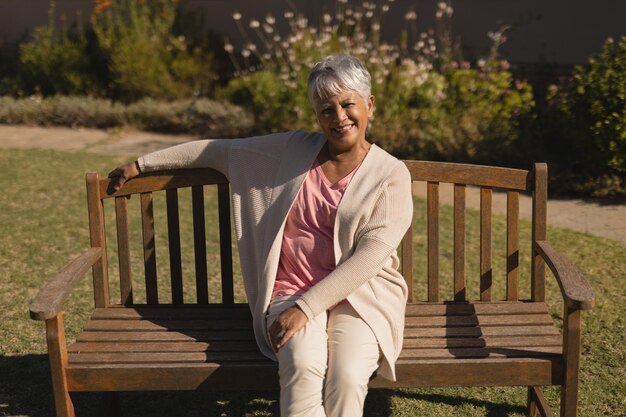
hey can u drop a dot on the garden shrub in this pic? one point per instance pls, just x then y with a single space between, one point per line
202 117
55 61
71 111
144 56
586 119
429 102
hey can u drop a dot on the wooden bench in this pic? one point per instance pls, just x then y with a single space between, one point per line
158 340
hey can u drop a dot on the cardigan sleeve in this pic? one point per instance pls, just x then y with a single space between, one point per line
389 220
208 153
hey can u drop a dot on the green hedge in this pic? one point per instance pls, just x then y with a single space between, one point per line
202 116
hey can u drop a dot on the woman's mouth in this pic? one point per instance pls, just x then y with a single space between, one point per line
344 128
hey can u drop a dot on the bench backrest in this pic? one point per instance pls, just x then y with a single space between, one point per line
173 184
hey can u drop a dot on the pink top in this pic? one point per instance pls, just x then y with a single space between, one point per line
307 254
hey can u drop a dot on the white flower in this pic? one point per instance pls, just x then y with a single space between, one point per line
410 15
385 8
236 15
481 63
254 23
229 48
327 18
245 53
288 14
270 19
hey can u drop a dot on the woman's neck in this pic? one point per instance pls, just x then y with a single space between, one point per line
337 164
352 156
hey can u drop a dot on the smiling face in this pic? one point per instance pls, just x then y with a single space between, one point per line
343 118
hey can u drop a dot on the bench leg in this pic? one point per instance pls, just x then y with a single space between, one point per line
57 351
537 404
571 355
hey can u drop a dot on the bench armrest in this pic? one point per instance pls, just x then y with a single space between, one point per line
576 290
48 303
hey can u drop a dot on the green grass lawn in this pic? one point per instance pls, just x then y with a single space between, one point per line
43 225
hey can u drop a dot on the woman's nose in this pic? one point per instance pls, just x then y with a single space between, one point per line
340 113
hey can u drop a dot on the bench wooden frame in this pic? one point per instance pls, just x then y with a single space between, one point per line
175 346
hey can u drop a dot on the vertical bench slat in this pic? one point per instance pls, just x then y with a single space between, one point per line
432 203
98 240
226 255
199 239
486 272
173 235
459 242
123 247
512 245
540 196
149 248
407 261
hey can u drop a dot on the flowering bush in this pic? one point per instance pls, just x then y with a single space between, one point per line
430 103
144 57
588 112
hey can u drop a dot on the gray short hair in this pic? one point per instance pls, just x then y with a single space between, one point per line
337 73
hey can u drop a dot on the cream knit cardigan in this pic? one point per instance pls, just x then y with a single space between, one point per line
266 174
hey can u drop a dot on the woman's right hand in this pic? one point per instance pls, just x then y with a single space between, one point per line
122 174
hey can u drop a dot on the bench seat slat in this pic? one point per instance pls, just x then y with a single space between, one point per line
215 311
250 345
507 352
243 311
218 356
163 357
191 346
411 322
458 342
482 320
203 336
166 325
453 309
495 331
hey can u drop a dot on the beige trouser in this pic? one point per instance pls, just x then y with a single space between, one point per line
325 367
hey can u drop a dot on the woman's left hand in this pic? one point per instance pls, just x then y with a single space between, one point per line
288 323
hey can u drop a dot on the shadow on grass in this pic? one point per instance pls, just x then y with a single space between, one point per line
25 390
492 409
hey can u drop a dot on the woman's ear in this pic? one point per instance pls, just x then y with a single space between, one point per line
370 106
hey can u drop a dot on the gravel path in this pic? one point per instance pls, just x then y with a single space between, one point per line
601 218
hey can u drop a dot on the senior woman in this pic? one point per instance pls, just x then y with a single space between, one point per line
318 218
